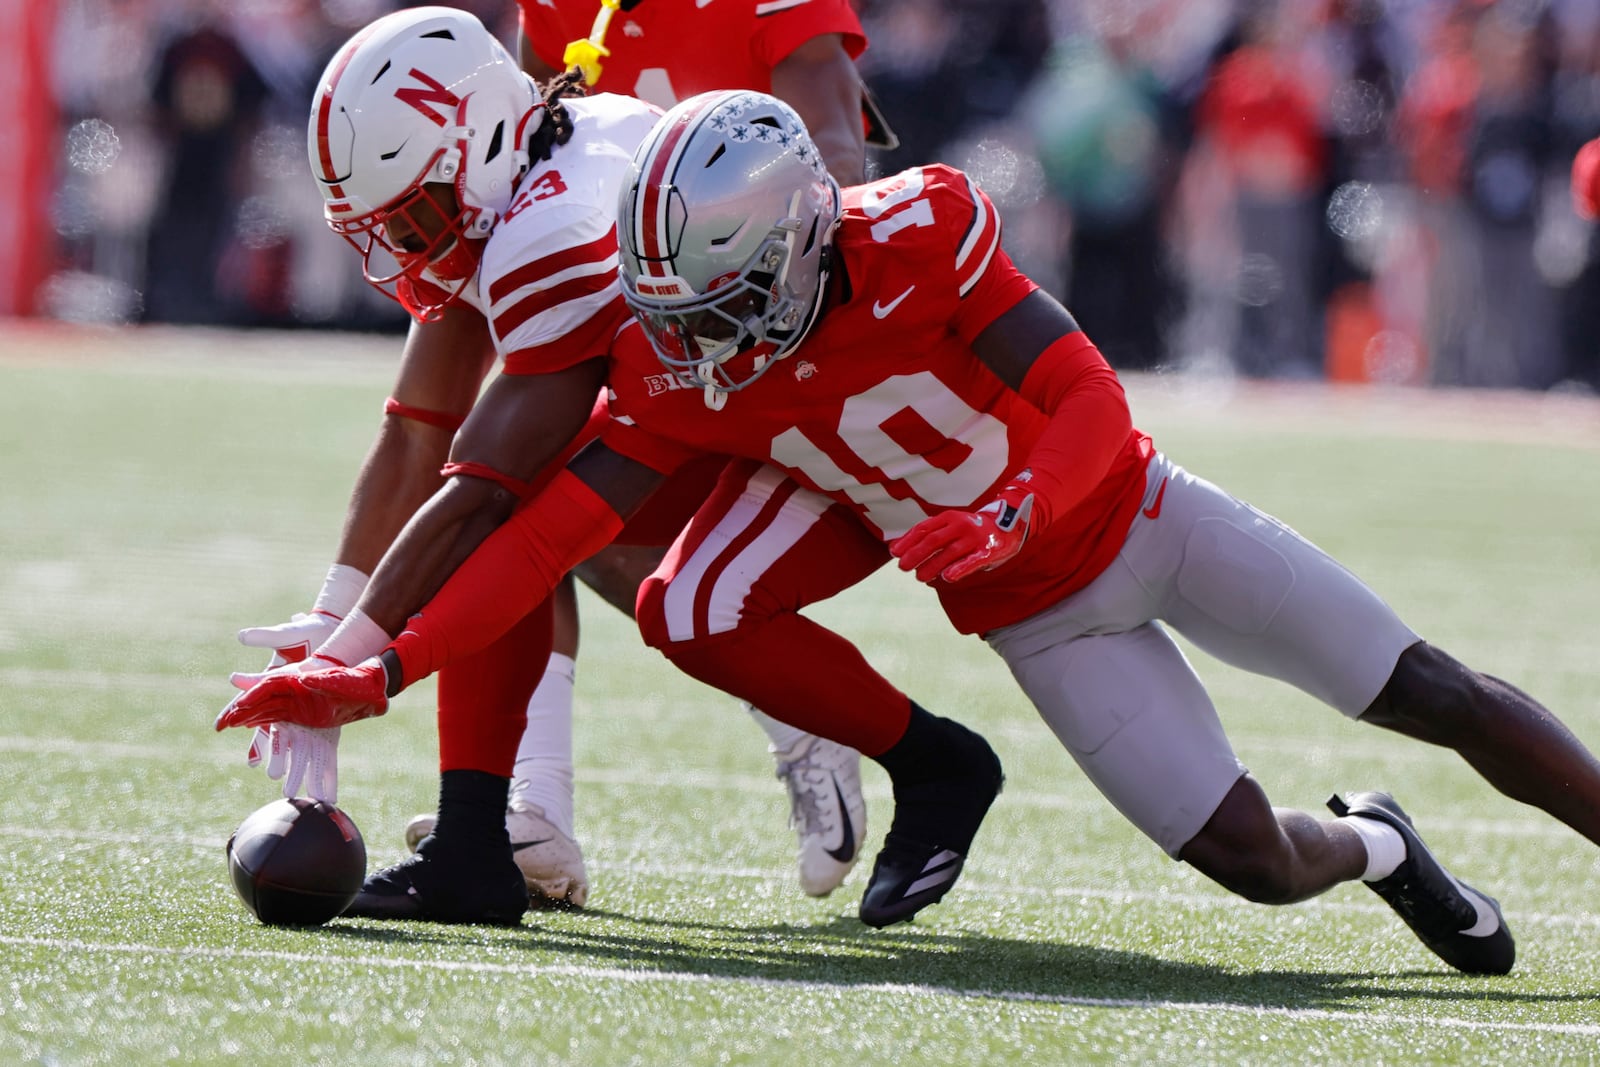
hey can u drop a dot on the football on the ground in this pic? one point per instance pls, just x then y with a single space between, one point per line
297 862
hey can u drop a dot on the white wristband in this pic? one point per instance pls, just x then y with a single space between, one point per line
341 590
355 639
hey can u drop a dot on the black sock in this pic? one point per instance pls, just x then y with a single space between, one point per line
472 810
945 776
932 747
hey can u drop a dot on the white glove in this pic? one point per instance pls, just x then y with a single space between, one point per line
300 755
290 641
293 642
296 639
303 754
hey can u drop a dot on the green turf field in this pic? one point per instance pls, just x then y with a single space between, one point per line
162 490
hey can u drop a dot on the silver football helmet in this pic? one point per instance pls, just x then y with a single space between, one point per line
726 224
421 96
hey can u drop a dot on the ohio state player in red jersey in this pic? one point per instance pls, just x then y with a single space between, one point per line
804 52
889 359
660 51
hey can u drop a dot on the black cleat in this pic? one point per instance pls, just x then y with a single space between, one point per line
934 824
907 877
429 887
1462 926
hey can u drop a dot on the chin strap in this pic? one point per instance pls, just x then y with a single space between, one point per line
716 399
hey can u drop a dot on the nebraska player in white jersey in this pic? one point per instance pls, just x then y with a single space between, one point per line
423 126
886 362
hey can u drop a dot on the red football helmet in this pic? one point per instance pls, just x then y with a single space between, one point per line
421 96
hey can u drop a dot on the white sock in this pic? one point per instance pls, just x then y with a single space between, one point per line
543 774
1386 849
781 735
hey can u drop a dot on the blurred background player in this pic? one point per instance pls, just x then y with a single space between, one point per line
937 372
662 51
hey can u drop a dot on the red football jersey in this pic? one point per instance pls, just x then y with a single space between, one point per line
885 407
664 51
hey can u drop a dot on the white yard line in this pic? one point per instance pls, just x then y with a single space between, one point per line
679 871
911 990
687 778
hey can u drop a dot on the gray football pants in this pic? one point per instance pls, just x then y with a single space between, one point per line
1120 695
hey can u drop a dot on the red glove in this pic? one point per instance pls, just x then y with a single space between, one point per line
953 544
1586 180
321 699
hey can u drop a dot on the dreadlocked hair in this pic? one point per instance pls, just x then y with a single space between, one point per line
556 129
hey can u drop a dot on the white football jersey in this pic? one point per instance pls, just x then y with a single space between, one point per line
547 281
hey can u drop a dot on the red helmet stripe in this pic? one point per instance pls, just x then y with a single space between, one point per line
650 220
325 108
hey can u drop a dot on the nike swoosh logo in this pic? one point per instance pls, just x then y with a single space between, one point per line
518 846
847 837
1154 510
1487 922
881 310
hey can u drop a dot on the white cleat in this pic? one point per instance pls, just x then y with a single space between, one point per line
419 827
551 862
826 809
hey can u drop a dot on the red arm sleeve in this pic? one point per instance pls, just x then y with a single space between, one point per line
1089 424
507 576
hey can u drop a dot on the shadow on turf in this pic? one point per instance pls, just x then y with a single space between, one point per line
842 952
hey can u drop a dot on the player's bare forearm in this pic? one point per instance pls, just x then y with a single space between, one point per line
442 367
820 81
521 562
399 475
517 429
437 540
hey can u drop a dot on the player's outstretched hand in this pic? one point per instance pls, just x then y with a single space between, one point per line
299 756
292 641
322 699
954 544
289 642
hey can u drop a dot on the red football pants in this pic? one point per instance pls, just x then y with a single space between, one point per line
724 607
